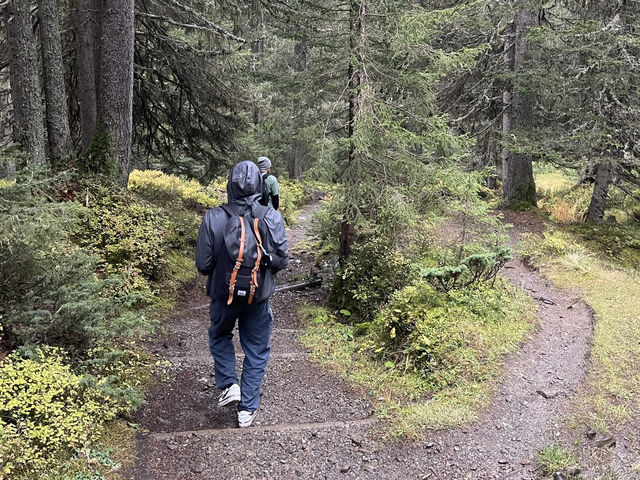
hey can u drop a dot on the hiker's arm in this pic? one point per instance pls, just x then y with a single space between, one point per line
275 201
205 261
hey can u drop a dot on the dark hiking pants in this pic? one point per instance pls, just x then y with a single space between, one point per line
254 325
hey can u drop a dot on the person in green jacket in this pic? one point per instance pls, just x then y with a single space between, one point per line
270 189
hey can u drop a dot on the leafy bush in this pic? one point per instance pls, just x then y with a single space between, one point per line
128 234
46 412
293 196
479 267
372 273
156 186
448 337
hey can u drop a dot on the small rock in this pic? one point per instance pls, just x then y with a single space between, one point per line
163 421
503 461
197 469
524 463
172 446
559 476
573 471
429 445
607 442
591 434
548 394
345 468
357 440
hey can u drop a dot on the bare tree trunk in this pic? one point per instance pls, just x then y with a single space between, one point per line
357 38
57 116
25 81
517 169
87 23
602 181
115 93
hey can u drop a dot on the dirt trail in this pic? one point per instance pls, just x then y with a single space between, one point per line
311 424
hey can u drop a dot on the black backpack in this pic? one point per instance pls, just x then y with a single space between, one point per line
264 200
239 268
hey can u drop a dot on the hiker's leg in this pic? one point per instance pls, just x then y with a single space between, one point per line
255 324
223 319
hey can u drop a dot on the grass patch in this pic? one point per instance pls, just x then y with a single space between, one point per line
551 183
410 396
555 458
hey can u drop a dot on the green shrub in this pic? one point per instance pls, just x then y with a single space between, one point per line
293 196
372 273
49 290
447 337
46 413
159 187
479 267
128 235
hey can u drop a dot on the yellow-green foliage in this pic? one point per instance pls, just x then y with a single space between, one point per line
293 196
129 235
157 186
46 412
552 182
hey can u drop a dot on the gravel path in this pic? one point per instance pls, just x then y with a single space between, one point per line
311 424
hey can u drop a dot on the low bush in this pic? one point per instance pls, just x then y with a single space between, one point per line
129 235
47 413
448 338
479 267
293 196
372 273
157 186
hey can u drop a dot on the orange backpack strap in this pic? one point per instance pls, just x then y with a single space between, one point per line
254 272
236 268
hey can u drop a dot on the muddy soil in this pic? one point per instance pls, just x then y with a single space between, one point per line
313 425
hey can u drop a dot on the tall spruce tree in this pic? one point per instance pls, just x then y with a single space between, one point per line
28 128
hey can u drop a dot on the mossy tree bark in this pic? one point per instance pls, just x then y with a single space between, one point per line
517 169
58 133
28 117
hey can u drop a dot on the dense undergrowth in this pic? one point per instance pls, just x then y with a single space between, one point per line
88 270
416 314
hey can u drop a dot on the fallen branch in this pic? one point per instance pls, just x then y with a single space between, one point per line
300 286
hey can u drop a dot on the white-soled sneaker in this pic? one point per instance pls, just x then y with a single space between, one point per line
230 395
245 418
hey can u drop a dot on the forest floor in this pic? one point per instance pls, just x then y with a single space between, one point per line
312 424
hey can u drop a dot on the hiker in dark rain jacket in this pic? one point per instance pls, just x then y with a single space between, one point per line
255 319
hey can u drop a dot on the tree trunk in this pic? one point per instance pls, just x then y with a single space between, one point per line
602 181
25 81
88 28
57 116
357 37
517 169
115 92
